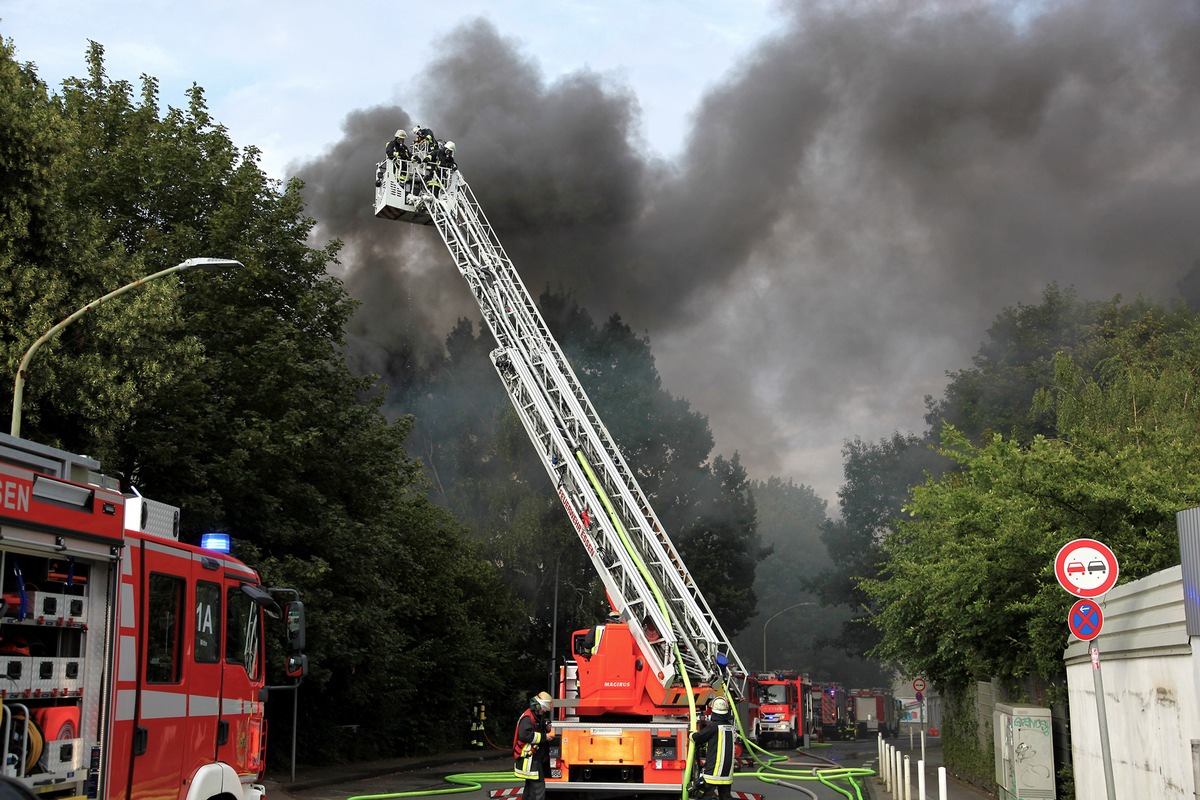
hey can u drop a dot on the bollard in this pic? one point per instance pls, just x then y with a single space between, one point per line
921 779
907 779
899 772
880 748
941 783
887 766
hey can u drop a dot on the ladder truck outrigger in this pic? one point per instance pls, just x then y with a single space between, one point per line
626 698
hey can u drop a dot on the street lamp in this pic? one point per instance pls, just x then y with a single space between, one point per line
768 622
19 383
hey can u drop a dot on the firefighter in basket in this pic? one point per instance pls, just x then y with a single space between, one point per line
531 746
717 739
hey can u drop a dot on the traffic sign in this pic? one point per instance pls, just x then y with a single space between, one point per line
1086 619
919 684
920 695
1086 568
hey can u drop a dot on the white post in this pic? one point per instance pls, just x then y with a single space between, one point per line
887 766
879 756
907 779
941 783
899 771
921 779
910 736
922 744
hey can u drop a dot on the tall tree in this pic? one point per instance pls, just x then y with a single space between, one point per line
229 396
969 590
879 477
501 490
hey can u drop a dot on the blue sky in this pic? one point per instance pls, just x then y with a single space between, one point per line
282 76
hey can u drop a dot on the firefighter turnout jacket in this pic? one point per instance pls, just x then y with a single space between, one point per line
530 755
718 739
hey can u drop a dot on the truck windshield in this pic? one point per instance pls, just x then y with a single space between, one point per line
772 693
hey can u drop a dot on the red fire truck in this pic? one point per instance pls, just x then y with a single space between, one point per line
831 712
875 711
131 664
778 707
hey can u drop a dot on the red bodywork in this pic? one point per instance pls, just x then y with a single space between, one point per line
618 729
778 707
155 667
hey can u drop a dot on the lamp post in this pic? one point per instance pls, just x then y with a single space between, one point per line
768 622
19 383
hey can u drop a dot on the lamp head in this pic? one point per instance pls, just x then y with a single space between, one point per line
211 263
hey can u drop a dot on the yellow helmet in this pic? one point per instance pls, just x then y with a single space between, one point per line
541 702
720 705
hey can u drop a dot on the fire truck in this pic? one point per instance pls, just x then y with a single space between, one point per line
831 712
626 696
131 664
778 707
875 711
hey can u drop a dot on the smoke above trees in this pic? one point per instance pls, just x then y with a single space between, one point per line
856 201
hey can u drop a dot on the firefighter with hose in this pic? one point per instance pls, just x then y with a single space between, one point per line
531 750
718 739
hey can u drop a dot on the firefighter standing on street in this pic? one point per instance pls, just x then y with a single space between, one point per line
717 738
531 749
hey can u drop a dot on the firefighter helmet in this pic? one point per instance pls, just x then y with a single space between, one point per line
450 146
400 134
720 705
541 702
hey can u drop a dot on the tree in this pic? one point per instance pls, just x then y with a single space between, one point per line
229 396
879 477
980 542
500 488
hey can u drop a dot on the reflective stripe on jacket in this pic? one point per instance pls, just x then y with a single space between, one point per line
718 739
528 756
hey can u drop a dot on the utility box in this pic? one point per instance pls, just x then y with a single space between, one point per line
1024 752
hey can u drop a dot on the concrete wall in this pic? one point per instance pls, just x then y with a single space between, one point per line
1149 691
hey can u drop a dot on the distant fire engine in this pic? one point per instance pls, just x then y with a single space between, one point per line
131 664
876 711
778 707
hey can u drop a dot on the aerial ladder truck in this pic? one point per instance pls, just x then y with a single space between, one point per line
627 697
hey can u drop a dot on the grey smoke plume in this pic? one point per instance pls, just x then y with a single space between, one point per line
855 203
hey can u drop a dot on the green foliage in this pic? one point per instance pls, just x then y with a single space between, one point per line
485 470
968 748
878 480
227 394
969 589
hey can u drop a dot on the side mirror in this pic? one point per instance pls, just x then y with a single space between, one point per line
294 625
297 666
261 598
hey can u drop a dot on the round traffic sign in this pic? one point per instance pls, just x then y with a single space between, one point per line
1085 619
919 684
1086 568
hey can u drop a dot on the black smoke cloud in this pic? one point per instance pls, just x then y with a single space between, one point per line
856 201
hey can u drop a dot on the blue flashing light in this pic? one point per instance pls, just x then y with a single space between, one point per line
217 542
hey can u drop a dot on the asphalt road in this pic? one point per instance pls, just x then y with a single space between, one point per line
428 775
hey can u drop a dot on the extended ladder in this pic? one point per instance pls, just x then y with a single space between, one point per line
611 515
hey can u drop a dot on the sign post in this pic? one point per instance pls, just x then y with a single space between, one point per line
1086 568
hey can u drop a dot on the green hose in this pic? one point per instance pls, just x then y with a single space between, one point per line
466 782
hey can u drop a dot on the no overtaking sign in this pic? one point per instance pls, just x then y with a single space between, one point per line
1086 568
